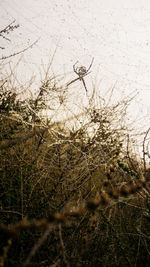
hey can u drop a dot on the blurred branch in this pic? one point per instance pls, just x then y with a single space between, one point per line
9 143
38 244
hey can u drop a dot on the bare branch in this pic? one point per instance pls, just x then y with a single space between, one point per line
7 30
19 52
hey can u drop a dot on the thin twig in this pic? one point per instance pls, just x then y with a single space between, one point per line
63 246
19 52
38 244
144 152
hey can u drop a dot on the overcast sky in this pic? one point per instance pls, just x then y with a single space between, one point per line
115 32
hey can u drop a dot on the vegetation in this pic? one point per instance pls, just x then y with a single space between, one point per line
70 196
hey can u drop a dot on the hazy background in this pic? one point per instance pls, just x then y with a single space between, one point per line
115 32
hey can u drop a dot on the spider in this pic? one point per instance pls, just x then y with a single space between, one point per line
81 72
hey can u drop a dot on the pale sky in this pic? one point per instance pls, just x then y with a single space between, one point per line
115 32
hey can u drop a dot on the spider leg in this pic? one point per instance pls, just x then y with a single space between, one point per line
74 69
76 72
90 64
73 81
84 84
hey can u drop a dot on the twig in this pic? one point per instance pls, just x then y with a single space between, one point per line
6 30
38 244
19 52
144 152
63 246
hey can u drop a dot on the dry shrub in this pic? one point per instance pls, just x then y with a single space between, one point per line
70 195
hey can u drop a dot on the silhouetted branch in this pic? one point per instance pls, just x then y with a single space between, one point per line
19 52
7 30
